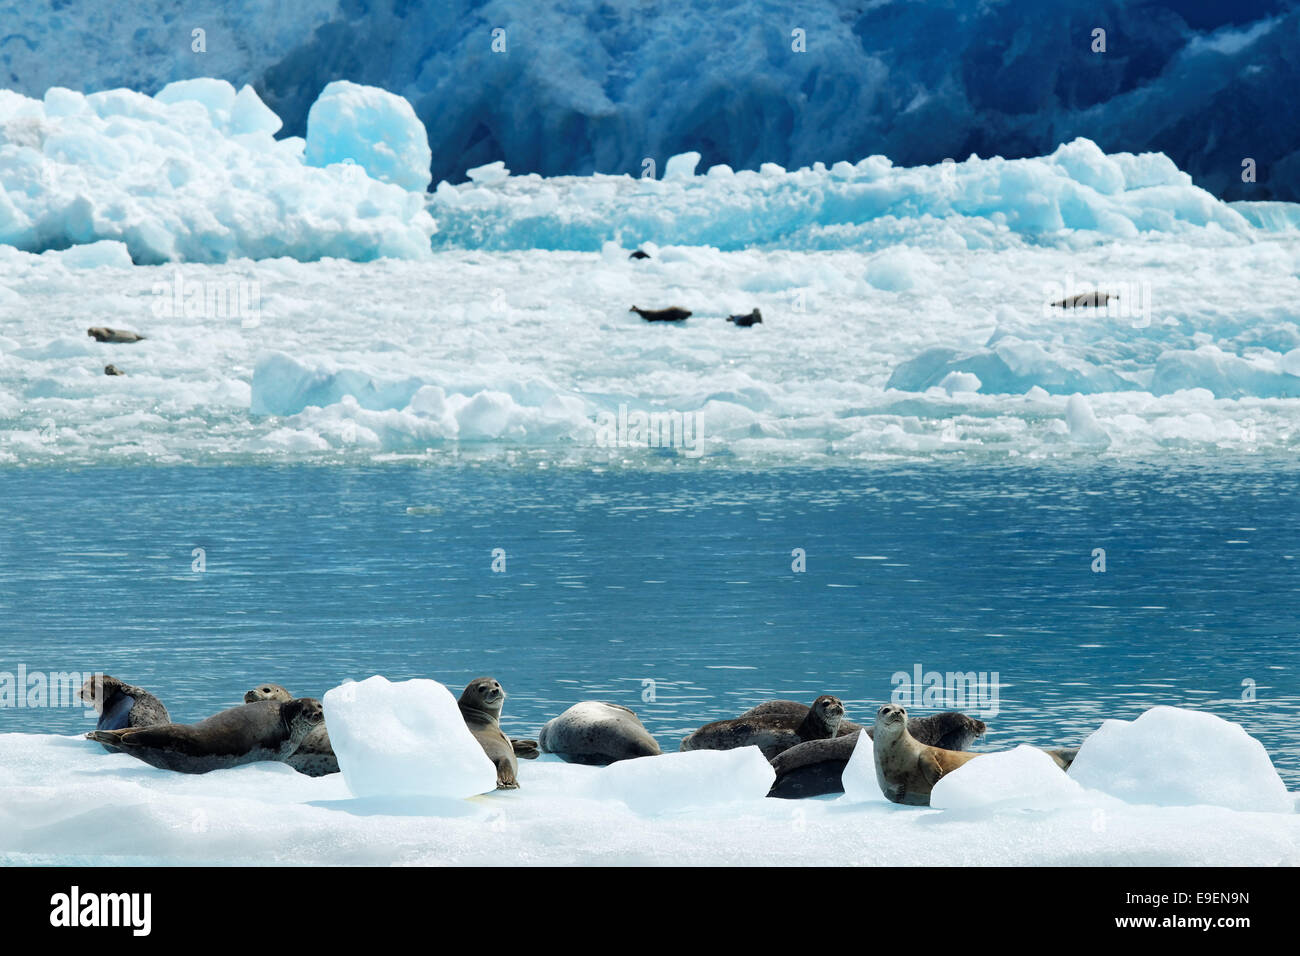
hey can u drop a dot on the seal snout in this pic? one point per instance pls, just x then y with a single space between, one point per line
891 714
832 708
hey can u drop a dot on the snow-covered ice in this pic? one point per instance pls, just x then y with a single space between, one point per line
686 781
56 792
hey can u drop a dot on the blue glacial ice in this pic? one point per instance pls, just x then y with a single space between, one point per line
602 89
195 173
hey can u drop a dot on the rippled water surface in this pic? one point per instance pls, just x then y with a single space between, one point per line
681 577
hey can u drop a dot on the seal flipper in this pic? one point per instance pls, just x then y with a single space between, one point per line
527 749
117 715
506 779
109 738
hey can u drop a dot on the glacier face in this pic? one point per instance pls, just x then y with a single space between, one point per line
605 87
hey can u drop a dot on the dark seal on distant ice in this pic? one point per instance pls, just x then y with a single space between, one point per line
1085 300
101 334
673 314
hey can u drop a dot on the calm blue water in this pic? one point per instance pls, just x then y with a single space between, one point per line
680 576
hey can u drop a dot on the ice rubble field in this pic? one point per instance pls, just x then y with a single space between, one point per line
1173 787
904 309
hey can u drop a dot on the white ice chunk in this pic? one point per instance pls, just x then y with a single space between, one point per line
1025 778
489 174
373 128
106 252
859 776
681 166
1083 424
1174 758
955 382
403 739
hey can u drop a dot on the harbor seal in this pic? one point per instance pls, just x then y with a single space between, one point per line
597 733
101 334
1064 756
794 708
907 769
816 767
113 370
480 704
745 321
122 706
315 755
673 314
1085 300
772 732
264 730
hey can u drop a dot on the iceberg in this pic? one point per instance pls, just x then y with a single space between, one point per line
195 174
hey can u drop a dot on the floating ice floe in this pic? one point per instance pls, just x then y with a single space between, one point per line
1158 792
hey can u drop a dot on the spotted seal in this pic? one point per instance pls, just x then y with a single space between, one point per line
597 733
122 706
264 730
817 767
1085 300
480 704
315 755
673 314
745 321
907 769
119 336
773 731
